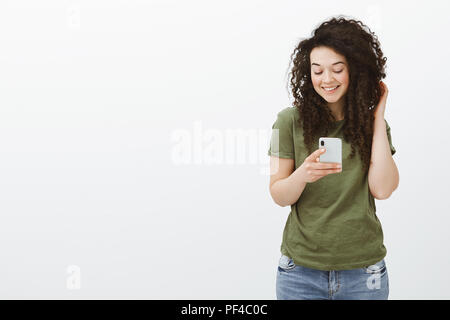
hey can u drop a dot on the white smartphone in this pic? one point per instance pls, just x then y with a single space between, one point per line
333 149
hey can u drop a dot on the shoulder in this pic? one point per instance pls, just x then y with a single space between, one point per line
288 115
288 112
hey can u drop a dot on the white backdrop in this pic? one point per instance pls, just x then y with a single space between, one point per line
120 172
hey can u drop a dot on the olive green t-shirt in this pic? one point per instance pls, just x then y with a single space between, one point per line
333 225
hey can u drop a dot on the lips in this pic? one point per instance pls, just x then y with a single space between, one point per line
328 91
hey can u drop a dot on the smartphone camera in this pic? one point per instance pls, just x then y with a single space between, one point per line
322 143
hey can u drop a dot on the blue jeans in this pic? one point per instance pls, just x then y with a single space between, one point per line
296 282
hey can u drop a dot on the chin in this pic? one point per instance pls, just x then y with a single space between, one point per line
331 100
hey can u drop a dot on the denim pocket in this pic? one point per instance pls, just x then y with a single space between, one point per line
286 264
377 268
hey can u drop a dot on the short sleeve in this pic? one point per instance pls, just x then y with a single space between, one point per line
282 142
388 131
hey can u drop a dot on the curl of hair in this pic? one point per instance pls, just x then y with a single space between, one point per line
361 48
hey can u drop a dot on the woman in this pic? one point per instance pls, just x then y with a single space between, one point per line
332 246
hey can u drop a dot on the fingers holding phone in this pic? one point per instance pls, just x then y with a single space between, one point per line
314 170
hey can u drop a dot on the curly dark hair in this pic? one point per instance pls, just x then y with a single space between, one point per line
360 46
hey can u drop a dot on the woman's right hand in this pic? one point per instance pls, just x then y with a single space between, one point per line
314 170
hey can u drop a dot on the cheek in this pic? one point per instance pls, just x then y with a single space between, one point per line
343 79
315 81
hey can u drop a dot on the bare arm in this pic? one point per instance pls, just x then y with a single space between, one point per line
383 173
286 185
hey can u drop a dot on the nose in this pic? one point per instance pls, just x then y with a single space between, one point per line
328 77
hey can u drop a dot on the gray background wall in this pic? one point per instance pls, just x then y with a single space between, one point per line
134 137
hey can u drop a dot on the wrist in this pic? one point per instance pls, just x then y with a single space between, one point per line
300 175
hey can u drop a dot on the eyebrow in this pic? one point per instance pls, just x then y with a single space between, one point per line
333 63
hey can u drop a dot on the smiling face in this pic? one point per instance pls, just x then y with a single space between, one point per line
329 70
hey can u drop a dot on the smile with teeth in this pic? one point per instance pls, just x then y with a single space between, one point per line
331 89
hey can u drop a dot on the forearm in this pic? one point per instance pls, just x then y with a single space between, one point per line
383 174
287 191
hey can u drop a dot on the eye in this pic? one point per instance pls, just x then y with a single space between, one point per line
318 73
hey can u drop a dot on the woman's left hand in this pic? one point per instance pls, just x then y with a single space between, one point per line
380 108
